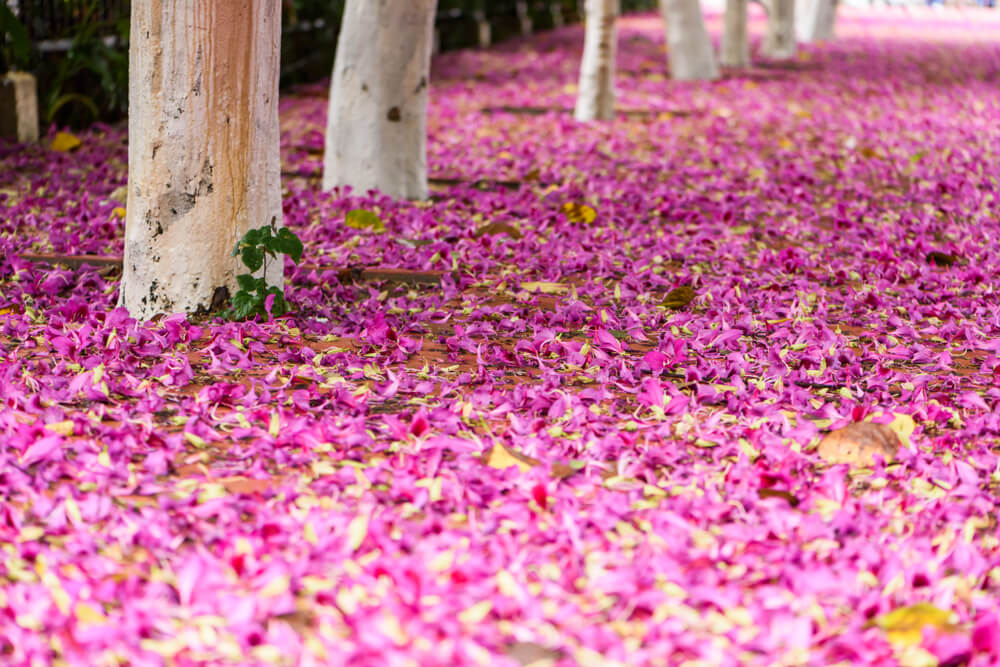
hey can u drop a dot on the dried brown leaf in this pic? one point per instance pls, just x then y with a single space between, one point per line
858 443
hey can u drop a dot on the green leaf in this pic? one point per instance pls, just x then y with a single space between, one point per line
246 282
253 237
289 243
244 305
362 219
253 257
63 100
13 32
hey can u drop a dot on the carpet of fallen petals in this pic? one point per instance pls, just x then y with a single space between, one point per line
520 449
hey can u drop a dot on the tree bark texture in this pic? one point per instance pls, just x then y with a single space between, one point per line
779 40
596 94
376 135
204 164
690 50
735 47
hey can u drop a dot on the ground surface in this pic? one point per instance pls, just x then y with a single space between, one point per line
531 458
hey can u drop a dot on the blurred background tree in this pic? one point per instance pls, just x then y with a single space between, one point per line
79 48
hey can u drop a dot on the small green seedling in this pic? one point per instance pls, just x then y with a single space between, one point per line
256 246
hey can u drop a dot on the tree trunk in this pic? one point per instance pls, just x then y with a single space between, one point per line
688 44
735 42
524 18
779 41
596 96
814 20
204 165
376 134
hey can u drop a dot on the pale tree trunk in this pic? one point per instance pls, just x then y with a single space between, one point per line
376 133
779 41
688 44
203 157
524 17
596 95
815 19
735 48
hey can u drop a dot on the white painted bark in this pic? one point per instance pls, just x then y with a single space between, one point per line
688 45
203 161
735 47
779 40
19 107
596 95
815 19
483 28
376 134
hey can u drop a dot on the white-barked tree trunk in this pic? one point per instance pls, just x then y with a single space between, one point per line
595 98
815 19
735 47
779 40
689 48
376 133
203 160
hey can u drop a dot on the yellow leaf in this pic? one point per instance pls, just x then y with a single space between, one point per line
357 531
87 614
579 213
277 586
476 613
545 288
309 534
118 212
679 297
361 219
65 142
903 426
501 458
64 428
904 626
785 143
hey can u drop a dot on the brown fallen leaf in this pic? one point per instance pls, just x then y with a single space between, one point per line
501 457
858 443
941 258
497 228
679 297
530 654
778 493
240 484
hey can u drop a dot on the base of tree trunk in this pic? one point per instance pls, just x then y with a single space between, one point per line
19 107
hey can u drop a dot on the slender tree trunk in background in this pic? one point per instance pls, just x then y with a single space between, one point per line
524 17
376 134
779 41
555 9
815 19
688 44
483 29
596 96
735 48
203 160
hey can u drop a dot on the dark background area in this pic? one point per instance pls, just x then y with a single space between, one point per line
80 47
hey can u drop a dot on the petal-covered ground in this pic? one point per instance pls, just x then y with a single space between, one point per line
521 450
